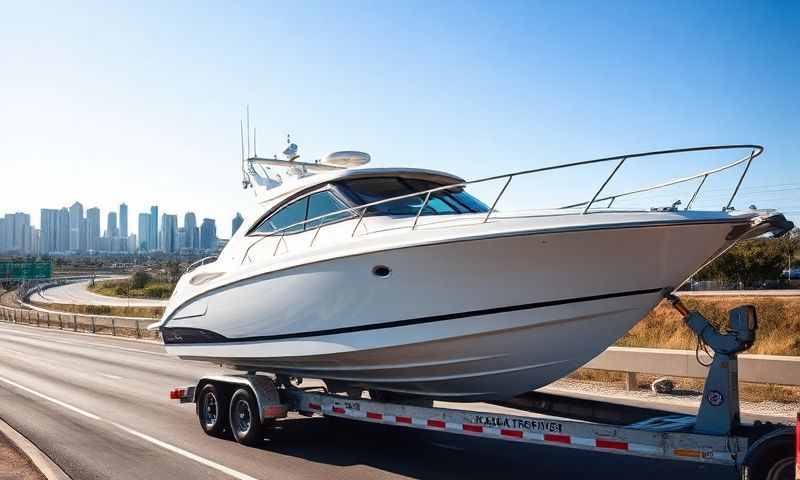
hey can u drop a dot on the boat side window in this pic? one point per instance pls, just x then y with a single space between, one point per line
289 215
321 203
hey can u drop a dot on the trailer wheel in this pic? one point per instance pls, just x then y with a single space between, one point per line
774 459
212 410
244 418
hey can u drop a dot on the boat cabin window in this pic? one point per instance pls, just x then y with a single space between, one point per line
443 202
312 206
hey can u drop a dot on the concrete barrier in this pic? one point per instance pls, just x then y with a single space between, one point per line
776 369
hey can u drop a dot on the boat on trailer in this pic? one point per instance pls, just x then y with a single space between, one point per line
400 282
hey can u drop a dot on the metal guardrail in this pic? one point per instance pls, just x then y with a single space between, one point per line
775 369
361 210
78 322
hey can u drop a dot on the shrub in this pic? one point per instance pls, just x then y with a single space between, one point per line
140 279
157 291
98 309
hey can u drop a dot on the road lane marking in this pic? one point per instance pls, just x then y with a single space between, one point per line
80 344
112 377
166 446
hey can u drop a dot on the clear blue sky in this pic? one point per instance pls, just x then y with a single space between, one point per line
109 102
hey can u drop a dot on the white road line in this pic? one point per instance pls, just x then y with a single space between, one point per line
112 377
81 344
166 446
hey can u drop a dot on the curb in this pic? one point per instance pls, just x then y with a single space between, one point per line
40 461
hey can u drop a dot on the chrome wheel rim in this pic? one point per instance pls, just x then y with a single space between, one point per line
210 410
243 417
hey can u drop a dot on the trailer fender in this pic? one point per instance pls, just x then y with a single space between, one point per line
266 393
771 456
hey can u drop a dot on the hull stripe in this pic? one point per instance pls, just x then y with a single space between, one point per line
188 336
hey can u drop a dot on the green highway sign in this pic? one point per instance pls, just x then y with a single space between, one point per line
25 270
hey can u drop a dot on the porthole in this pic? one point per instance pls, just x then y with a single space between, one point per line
381 271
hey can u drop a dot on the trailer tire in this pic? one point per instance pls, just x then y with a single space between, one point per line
212 410
773 459
245 420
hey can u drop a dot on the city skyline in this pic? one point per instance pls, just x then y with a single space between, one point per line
542 86
68 230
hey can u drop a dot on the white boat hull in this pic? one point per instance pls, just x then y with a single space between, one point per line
468 319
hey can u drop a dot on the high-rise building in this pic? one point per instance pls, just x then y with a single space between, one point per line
16 232
48 225
123 220
75 231
132 245
208 234
189 227
93 229
144 231
237 222
34 247
3 246
111 228
169 233
152 239
62 231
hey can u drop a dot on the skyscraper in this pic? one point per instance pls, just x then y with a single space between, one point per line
208 234
111 228
123 220
144 231
93 229
189 227
152 239
16 232
48 223
62 230
75 223
169 233
3 246
237 222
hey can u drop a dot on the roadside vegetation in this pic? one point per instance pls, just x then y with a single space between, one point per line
100 310
778 323
139 285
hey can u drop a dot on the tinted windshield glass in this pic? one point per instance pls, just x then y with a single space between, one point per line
321 203
288 215
443 202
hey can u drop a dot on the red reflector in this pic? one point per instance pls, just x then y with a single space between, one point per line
375 416
176 393
338 410
472 428
436 423
403 419
611 444
549 437
511 433
314 406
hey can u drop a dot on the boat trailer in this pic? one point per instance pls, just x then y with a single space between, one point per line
246 406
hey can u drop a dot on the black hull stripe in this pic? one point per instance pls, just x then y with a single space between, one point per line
181 335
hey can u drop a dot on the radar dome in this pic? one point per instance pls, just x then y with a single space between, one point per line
347 159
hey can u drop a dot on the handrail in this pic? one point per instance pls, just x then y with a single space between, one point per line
200 263
360 210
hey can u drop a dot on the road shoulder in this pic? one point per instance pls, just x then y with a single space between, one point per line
26 461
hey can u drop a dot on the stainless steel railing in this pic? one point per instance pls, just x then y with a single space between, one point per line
360 211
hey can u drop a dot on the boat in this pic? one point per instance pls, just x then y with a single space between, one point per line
399 282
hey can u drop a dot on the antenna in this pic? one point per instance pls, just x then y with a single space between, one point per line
248 131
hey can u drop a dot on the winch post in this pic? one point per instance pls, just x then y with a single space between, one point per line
719 407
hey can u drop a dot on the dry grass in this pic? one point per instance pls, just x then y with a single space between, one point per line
101 310
778 324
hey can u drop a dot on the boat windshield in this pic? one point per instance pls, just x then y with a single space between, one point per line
444 202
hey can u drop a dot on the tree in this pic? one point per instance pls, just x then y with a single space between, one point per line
140 280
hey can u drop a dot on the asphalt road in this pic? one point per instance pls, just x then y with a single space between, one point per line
77 293
98 407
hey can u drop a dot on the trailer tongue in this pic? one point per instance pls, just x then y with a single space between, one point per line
247 405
